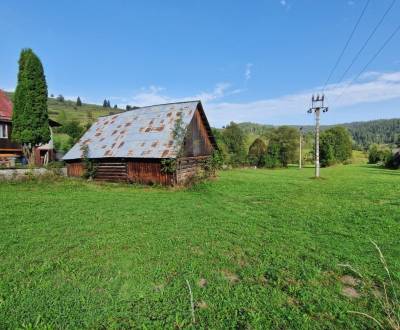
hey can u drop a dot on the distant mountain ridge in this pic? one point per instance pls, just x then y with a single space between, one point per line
384 131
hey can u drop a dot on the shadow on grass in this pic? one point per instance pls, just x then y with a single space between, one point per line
381 170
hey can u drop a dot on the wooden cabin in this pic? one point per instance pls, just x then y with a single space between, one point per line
135 145
9 150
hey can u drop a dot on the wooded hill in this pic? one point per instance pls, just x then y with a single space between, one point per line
383 131
67 110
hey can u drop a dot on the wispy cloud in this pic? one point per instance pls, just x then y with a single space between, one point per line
373 87
247 72
283 2
157 95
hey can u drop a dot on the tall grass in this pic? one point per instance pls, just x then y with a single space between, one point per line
389 300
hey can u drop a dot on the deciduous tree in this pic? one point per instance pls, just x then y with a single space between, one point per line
257 153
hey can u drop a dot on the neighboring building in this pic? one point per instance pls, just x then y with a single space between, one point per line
9 150
132 145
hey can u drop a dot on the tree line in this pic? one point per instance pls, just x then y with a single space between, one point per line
382 131
279 146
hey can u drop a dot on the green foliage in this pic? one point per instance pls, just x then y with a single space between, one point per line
282 146
234 139
392 161
335 146
30 116
378 153
168 165
78 102
213 163
178 134
383 131
73 129
272 158
257 153
77 254
90 168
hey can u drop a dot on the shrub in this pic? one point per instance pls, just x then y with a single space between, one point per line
89 166
378 153
393 161
257 152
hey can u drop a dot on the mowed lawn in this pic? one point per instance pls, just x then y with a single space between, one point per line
266 244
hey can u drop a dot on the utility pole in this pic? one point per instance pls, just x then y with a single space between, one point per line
317 104
300 145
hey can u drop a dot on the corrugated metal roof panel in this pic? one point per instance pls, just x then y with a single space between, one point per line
141 133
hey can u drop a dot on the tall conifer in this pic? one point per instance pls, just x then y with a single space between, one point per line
30 116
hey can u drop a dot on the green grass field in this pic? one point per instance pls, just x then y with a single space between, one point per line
76 254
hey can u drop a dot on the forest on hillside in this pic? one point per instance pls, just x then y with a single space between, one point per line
382 131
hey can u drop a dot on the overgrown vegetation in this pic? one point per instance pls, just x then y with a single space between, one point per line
89 165
114 256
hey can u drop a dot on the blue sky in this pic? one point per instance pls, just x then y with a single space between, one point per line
256 60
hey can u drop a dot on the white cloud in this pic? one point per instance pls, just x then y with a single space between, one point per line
283 2
380 87
247 72
158 95
371 87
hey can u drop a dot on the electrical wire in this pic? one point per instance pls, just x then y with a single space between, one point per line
355 58
386 42
346 44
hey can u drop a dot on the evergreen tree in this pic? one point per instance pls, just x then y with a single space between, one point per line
30 117
115 106
105 103
78 102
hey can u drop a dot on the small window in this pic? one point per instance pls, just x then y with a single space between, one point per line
3 131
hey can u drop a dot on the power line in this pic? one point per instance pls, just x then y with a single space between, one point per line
355 58
346 44
386 42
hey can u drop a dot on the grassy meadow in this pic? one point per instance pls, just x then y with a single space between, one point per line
259 248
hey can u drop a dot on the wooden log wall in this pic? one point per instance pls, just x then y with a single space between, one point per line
188 167
75 169
148 172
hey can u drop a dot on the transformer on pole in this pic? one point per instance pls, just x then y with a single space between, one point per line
317 104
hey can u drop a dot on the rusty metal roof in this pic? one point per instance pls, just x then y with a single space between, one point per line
146 132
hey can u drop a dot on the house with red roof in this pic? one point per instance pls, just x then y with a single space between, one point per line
9 150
